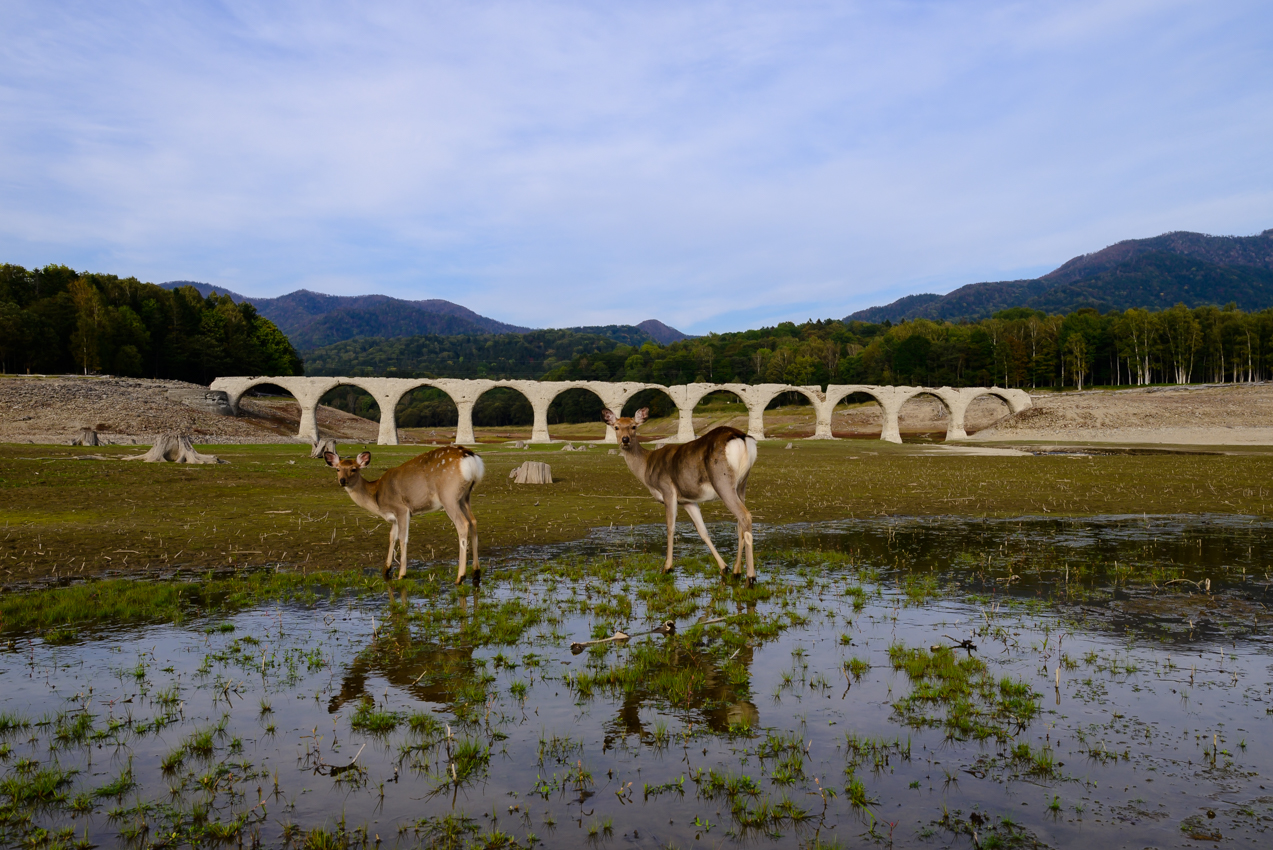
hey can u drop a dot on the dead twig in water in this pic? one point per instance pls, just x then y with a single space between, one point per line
668 627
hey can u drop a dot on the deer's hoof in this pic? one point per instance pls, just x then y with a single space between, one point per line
751 582
667 569
388 573
477 580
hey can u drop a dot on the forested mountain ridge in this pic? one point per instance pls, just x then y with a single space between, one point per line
525 355
1179 267
313 319
1256 251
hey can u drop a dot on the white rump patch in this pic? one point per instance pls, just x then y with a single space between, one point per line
472 469
740 454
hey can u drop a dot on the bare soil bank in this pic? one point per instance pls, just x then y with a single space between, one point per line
134 411
1217 415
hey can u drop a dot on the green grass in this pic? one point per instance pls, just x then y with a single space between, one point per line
367 718
958 693
85 517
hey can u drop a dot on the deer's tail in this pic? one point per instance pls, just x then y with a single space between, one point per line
740 453
472 468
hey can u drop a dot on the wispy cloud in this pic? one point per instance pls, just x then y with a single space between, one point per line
714 164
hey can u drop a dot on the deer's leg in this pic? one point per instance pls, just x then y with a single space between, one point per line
404 528
393 544
457 516
696 514
669 499
734 502
738 561
472 520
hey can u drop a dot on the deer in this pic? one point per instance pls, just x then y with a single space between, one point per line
714 466
442 479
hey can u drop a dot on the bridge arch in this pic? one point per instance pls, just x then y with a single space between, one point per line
416 409
465 392
578 405
946 401
852 394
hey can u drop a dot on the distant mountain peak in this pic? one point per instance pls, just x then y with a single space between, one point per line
661 333
1180 266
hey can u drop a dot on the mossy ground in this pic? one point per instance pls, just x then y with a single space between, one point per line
274 506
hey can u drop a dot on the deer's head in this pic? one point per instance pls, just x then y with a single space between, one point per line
347 470
625 426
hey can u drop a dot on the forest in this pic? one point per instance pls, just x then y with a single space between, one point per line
55 320
1018 347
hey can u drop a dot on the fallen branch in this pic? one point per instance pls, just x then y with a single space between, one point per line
1201 584
666 628
964 644
337 770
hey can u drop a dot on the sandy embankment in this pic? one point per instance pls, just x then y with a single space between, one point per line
1205 415
132 411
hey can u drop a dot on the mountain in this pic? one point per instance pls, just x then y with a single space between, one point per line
313 320
894 312
1154 273
661 333
206 289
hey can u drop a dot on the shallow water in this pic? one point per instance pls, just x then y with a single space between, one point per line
785 725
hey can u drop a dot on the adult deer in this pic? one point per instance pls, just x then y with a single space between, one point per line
442 479
715 466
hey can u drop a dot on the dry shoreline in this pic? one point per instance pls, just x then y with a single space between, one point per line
127 411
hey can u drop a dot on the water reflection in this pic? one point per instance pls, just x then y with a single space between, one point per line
713 697
429 671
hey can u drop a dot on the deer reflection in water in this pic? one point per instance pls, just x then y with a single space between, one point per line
429 672
712 697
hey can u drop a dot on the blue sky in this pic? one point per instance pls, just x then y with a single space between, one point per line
714 165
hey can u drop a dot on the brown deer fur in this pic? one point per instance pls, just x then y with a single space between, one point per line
442 479
715 466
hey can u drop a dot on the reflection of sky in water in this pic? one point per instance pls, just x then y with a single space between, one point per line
1128 692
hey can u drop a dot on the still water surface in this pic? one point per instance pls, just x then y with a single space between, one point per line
1142 644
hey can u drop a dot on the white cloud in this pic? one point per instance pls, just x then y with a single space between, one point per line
707 164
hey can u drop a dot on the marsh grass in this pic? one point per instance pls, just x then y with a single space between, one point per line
367 718
261 510
960 695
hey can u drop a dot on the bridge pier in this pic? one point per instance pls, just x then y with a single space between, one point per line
308 400
539 403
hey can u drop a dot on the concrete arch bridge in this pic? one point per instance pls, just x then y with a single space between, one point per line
465 393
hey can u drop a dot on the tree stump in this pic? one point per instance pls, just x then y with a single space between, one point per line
86 437
324 445
532 472
175 448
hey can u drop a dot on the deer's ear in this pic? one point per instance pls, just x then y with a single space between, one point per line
641 415
332 458
364 459
608 417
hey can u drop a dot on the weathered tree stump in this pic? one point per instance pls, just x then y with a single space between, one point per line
86 437
324 445
532 472
175 448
